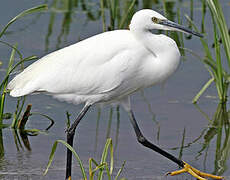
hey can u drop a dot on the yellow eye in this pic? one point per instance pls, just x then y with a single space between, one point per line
155 20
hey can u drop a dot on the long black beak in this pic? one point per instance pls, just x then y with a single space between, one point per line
179 27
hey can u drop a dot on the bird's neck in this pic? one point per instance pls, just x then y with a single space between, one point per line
158 45
165 51
151 41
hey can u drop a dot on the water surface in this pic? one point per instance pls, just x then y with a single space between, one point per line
165 114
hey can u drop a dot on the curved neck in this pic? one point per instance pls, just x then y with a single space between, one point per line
166 55
151 41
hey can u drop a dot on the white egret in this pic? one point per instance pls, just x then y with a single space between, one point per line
108 68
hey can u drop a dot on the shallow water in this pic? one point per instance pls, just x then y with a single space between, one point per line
164 114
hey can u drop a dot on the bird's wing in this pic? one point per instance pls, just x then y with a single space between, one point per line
89 67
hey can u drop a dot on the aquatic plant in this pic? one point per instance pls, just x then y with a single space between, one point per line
104 167
19 119
218 129
12 66
215 64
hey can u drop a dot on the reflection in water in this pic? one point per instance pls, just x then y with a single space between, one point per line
50 26
109 123
68 9
219 130
145 99
182 145
24 138
97 129
1 145
117 127
20 133
108 131
203 16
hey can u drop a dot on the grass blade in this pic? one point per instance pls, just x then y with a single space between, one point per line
103 15
74 153
120 170
207 84
91 171
125 16
217 13
24 13
47 117
12 47
4 85
104 156
18 111
51 156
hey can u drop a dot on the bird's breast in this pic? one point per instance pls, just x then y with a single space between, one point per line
160 68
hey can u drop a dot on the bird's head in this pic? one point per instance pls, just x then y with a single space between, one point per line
147 19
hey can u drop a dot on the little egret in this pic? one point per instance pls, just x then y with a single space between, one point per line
107 68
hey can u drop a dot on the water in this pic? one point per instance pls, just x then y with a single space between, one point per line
163 113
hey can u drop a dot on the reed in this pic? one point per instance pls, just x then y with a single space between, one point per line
215 64
119 17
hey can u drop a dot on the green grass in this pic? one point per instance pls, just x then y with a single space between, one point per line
216 67
102 169
19 119
12 66
22 14
120 13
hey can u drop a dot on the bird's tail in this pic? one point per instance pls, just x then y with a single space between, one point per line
20 85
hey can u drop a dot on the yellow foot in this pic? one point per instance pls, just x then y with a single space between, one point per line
194 172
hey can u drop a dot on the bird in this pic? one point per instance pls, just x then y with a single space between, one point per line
108 68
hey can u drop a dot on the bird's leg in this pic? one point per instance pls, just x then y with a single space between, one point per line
141 139
70 137
185 167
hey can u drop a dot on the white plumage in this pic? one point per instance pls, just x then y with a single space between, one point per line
106 67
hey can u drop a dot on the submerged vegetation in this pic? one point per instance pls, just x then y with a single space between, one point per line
116 14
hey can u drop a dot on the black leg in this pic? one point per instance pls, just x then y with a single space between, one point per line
70 136
141 139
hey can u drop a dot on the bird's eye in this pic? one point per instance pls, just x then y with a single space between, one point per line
155 20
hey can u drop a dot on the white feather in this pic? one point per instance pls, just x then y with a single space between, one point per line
103 68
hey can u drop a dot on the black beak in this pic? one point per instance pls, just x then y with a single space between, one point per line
179 27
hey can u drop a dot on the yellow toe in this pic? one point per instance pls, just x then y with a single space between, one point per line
194 172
